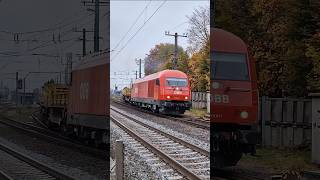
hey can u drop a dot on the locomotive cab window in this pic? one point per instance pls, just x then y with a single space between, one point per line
229 66
158 82
180 82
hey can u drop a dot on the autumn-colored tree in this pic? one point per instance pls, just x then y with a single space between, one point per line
199 38
199 74
198 66
161 57
277 32
199 28
313 52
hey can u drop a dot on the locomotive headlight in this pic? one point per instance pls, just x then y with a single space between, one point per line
216 85
244 114
186 97
168 97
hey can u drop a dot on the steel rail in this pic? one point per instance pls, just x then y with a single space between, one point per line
180 141
196 123
37 164
51 136
176 165
5 176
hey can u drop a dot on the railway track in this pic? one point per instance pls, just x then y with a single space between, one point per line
187 160
51 136
22 166
5 176
190 121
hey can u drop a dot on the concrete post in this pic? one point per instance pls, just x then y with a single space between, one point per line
263 120
119 157
208 102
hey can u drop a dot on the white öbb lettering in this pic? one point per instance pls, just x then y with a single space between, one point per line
217 98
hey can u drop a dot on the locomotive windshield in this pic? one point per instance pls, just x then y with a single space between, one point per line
180 82
229 66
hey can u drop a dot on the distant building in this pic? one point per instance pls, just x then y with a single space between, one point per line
28 98
4 94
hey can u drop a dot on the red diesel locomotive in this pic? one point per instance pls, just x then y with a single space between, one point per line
234 99
167 92
88 112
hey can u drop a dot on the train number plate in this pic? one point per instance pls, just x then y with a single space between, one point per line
177 92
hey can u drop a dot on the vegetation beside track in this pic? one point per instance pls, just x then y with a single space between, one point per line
279 160
18 113
197 113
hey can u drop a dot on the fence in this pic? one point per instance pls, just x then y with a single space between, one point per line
285 122
199 100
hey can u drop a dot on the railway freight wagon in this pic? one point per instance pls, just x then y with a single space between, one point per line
53 103
88 108
234 99
167 92
126 94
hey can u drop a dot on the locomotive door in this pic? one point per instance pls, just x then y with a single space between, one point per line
156 89
151 89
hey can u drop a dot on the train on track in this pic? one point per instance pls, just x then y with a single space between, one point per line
166 92
234 99
82 107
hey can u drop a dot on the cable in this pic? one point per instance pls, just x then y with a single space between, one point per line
50 43
134 23
139 29
178 25
58 26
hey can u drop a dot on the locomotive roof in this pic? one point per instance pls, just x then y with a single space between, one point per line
225 41
92 60
166 73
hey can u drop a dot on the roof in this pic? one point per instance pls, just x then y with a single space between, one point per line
92 60
225 41
166 73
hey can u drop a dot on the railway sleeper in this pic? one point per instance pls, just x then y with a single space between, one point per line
184 154
176 177
173 147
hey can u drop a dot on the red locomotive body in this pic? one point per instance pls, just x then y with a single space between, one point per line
89 98
234 98
167 91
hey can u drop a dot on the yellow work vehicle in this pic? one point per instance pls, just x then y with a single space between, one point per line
126 94
53 102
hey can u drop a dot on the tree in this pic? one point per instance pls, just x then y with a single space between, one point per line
313 52
277 33
161 57
199 38
199 33
199 70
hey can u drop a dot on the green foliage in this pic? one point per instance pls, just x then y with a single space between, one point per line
279 34
161 57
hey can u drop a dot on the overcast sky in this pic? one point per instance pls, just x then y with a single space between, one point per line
171 16
19 16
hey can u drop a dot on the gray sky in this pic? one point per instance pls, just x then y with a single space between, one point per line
23 16
171 16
